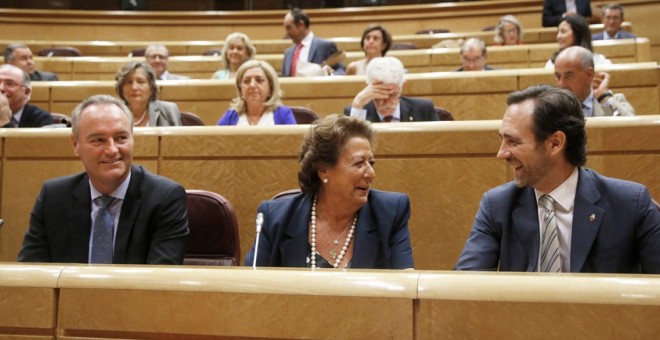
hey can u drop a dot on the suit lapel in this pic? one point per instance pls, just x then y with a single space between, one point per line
153 111
80 221
312 49
365 250
372 114
128 214
405 110
587 218
288 56
526 226
295 246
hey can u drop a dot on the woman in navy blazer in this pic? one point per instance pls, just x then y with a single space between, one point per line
337 221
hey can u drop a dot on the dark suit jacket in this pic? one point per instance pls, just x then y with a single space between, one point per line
152 227
616 229
34 117
554 9
43 76
620 35
382 239
412 110
486 68
319 51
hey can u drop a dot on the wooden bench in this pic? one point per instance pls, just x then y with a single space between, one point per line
445 167
27 25
467 95
415 61
277 46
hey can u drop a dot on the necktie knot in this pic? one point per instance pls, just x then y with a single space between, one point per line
547 202
388 119
104 201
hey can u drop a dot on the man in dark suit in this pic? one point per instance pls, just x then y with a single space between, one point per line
612 20
157 57
15 85
474 56
114 212
21 56
555 10
556 215
306 46
381 100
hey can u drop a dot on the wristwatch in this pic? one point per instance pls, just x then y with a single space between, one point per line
605 95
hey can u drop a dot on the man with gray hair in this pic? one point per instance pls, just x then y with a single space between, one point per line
612 20
381 100
474 56
574 71
21 56
114 212
15 85
157 57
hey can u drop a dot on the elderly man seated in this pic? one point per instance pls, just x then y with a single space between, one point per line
381 100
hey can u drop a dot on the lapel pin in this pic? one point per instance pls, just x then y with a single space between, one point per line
410 118
592 217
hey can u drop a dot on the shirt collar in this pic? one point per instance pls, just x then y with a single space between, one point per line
396 115
18 114
119 193
307 40
164 75
564 194
589 103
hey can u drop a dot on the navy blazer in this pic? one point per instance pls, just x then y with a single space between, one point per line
382 239
152 228
616 229
554 9
620 35
412 110
319 51
43 76
34 117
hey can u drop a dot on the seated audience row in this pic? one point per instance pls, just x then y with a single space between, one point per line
556 216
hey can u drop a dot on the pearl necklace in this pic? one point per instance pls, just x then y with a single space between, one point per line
139 121
347 243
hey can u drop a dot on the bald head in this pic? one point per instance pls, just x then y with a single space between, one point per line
574 71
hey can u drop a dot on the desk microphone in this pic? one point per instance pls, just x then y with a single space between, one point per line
259 222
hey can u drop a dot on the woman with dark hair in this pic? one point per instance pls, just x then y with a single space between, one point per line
136 86
376 41
337 221
573 30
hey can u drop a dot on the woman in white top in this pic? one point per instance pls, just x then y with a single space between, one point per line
258 101
237 49
376 41
573 30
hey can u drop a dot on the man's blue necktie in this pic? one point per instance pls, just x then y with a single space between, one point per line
103 233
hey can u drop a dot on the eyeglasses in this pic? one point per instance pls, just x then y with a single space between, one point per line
157 56
472 60
10 84
511 31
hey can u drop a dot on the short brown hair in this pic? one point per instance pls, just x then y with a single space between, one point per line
127 70
323 144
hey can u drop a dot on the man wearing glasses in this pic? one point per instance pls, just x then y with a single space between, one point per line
15 85
473 56
157 56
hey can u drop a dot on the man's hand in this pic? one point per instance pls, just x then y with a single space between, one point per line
601 83
373 91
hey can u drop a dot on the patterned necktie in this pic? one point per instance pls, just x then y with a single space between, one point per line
550 257
103 233
388 119
294 62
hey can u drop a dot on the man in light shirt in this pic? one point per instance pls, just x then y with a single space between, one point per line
306 46
574 71
612 20
158 57
556 215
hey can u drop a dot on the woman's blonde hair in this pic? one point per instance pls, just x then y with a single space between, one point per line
249 47
272 102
